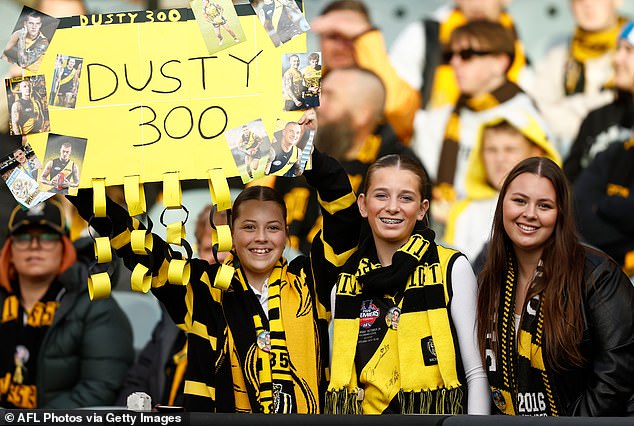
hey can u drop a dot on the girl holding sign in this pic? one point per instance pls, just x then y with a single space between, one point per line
255 347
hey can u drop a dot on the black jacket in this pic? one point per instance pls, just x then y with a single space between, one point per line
149 372
612 123
605 384
604 201
86 351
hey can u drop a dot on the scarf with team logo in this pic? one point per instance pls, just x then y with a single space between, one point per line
451 142
278 373
424 319
586 45
518 375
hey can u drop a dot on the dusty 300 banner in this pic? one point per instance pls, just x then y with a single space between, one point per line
153 100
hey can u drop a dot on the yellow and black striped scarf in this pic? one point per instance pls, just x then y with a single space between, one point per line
451 142
415 360
587 45
519 377
279 375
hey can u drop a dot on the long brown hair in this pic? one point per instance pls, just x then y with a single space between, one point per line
560 284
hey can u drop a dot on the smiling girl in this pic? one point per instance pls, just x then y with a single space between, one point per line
404 327
555 318
255 347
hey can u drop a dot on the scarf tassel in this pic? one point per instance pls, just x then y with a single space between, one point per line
342 401
445 401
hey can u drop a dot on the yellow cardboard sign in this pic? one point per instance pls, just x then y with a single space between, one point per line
153 100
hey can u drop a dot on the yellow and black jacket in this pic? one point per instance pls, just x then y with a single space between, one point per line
226 372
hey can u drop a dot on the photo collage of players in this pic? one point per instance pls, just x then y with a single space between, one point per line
33 180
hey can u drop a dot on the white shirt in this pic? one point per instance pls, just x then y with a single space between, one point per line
463 314
263 296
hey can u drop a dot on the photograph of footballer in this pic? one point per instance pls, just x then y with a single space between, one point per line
301 80
65 84
19 167
250 146
30 38
28 107
219 23
290 149
64 156
282 19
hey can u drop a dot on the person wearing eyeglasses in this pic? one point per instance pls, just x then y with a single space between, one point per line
59 349
480 54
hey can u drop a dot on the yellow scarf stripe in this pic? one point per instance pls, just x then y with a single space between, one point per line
199 389
333 258
507 315
339 204
200 330
588 45
189 302
215 293
265 397
180 359
441 331
529 350
240 395
483 102
279 356
549 391
343 376
348 285
370 150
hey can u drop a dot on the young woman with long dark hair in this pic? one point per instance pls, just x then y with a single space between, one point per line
555 317
256 346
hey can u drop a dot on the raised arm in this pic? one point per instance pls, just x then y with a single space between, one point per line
172 296
339 236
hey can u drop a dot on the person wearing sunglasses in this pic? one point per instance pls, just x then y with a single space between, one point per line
480 54
59 349
417 52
